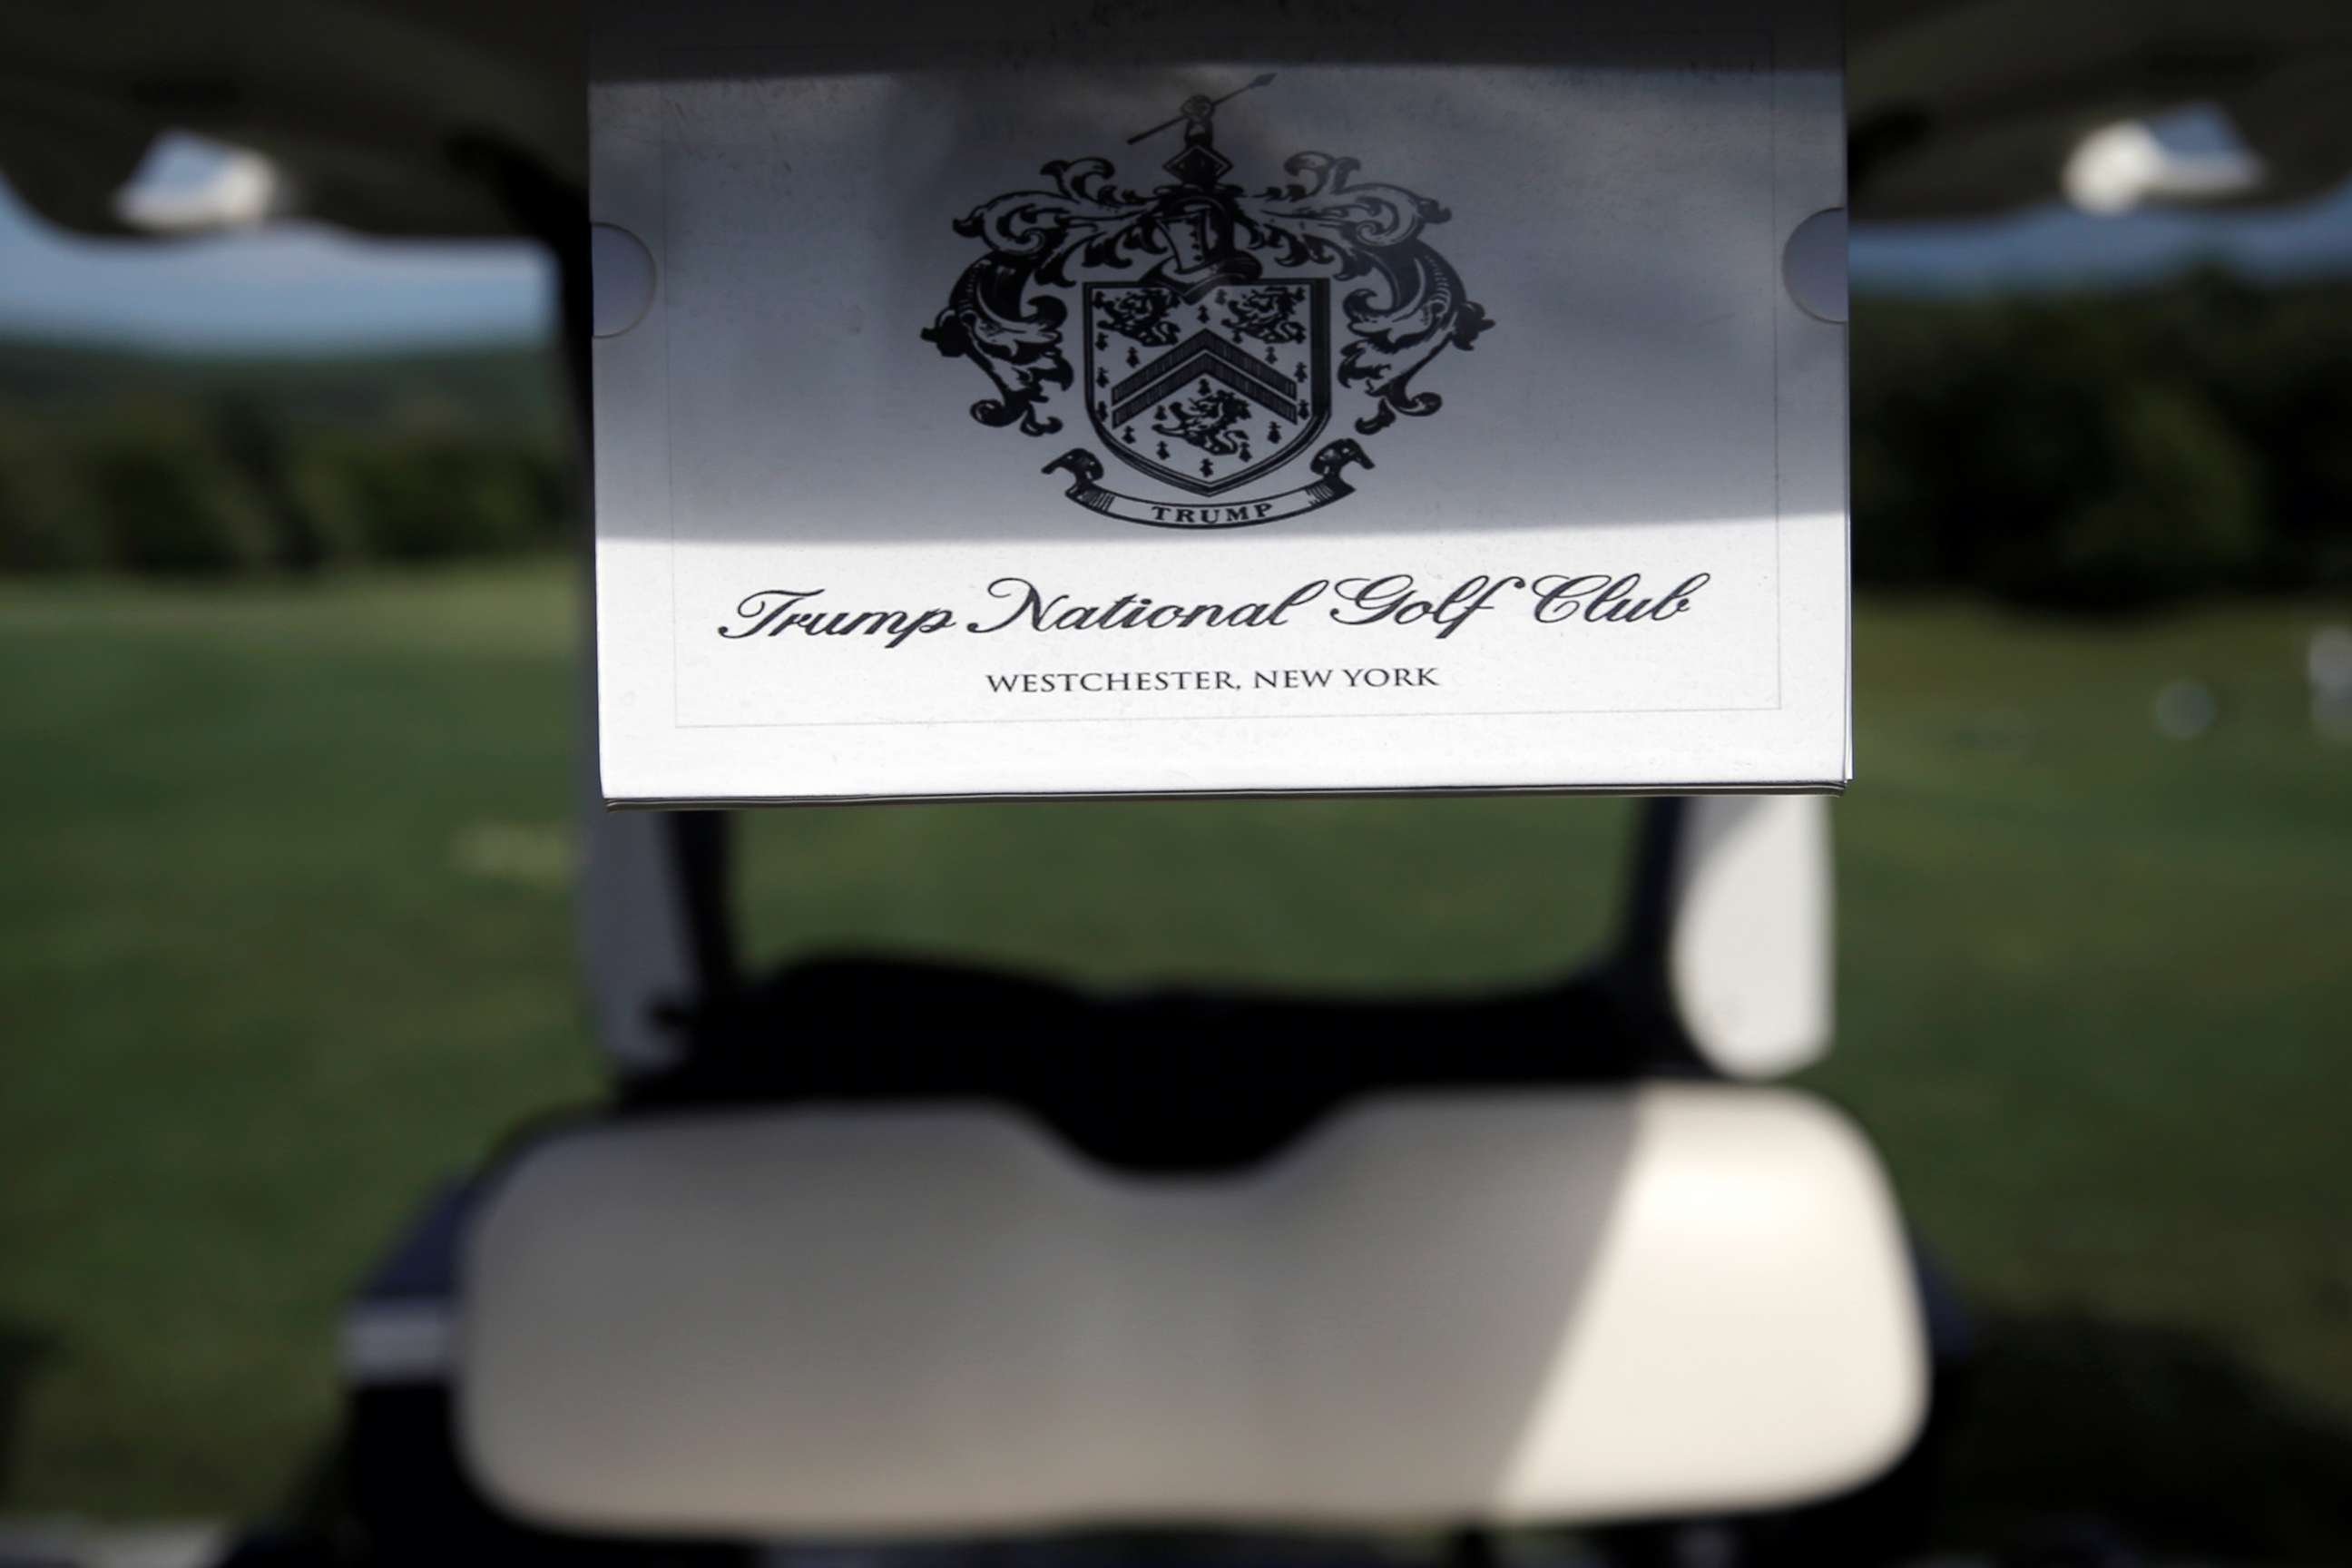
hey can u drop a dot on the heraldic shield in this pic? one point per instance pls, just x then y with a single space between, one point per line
1210 393
1218 324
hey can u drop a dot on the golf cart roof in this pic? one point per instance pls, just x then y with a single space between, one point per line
443 116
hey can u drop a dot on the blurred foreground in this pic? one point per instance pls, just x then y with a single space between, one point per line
288 936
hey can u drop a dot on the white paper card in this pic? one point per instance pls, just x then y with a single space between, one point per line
1108 399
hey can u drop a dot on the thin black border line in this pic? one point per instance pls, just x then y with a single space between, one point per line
1228 718
669 421
1116 796
1768 38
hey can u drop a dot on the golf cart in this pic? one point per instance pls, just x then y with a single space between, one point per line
881 1259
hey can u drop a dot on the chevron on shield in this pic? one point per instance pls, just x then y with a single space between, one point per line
1208 390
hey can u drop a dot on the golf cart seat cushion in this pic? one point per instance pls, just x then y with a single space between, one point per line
1536 1307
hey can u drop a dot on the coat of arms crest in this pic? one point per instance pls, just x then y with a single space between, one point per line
1207 316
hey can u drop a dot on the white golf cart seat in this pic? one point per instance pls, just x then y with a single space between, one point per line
1432 1311
953 1313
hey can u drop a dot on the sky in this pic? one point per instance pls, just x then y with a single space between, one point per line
287 286
305 287
2054 247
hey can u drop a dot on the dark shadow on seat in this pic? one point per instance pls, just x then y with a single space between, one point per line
1171 1080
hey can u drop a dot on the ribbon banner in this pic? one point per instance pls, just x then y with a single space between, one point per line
1086 469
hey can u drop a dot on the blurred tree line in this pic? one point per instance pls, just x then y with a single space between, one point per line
2106 451
2095 452
113 461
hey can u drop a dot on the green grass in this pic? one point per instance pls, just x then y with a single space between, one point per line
284 934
